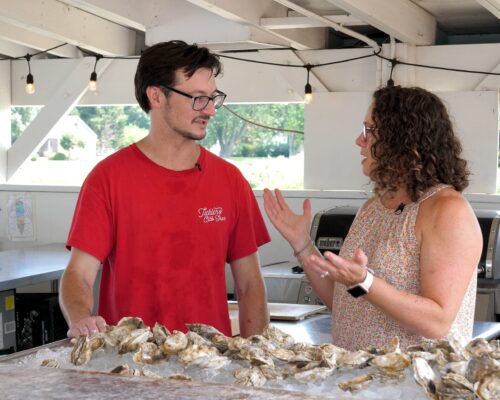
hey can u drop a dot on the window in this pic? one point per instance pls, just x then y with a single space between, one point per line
267 158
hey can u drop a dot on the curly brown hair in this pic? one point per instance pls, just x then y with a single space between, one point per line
415 145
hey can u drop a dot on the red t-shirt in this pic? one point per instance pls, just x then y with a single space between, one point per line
164 236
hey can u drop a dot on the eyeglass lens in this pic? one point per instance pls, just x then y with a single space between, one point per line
200 102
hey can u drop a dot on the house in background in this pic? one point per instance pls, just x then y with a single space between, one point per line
74 126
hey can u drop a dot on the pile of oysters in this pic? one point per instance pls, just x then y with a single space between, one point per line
445 369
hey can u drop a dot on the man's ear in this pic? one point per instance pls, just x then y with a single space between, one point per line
154 95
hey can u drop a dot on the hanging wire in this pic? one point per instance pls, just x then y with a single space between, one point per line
260 125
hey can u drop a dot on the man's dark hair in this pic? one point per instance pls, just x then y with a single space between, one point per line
415 144
159 63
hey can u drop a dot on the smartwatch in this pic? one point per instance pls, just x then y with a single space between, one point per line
362 288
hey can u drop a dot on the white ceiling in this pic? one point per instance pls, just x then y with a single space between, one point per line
124 27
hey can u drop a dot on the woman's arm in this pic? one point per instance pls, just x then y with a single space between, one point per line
450 248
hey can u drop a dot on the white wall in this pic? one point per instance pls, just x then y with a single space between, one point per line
332 160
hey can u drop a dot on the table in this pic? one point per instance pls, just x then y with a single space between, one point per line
32 265
317 329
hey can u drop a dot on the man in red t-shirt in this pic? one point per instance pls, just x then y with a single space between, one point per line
164 215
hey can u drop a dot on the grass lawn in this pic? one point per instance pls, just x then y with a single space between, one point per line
272 172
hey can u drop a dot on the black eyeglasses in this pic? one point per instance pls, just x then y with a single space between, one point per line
367 130
200 102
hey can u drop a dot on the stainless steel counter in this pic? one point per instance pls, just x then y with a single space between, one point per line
32 265
317 329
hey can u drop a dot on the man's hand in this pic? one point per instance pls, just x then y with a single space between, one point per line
87 326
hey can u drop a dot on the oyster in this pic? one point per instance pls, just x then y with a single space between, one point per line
283 354
391 364
249 377
84 347
148 353
131 323
425 377
50 362
488 388
125 370
354 359
174 342
478 367
132 342
202 356
357 383
277 336
313 375
160 334
271 372
255 355
455 386
477 347
203 330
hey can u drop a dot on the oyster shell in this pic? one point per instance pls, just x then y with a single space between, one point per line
160 334
148 353
174 343
480 366
357 383
391 364
84 347
277 336
204 330
132 342
313 375
50 362
488 388
249 377
354 359
425 377
455 386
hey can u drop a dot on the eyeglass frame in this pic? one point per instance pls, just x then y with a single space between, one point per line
195 98
367 130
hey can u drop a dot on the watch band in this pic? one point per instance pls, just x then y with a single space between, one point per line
362 288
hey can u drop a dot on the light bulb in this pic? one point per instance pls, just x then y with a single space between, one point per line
30 84
308 94
93 82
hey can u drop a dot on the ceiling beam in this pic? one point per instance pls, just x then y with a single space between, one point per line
131 13
62 22
493 6
250 13
306 22
13 49
27 39
401 19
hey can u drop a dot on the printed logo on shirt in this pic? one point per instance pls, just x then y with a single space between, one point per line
214 214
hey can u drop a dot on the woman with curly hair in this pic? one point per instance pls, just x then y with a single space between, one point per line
408 265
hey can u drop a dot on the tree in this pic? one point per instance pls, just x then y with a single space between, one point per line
237 137
20 118
108 122
68 142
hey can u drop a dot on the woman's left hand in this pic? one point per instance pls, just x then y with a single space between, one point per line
342 270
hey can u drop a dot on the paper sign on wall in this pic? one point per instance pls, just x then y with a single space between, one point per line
21 217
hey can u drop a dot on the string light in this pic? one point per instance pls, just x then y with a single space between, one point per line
308 89
93 75
390 82
30 82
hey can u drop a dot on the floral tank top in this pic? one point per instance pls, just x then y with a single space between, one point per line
388 239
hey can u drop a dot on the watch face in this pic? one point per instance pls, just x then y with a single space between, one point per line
357 291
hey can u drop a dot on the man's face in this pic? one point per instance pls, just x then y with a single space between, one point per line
178 112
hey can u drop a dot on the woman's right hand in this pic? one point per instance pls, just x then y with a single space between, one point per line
293 227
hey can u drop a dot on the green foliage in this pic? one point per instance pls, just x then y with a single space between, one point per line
20 118
68 141
59 156
237 137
